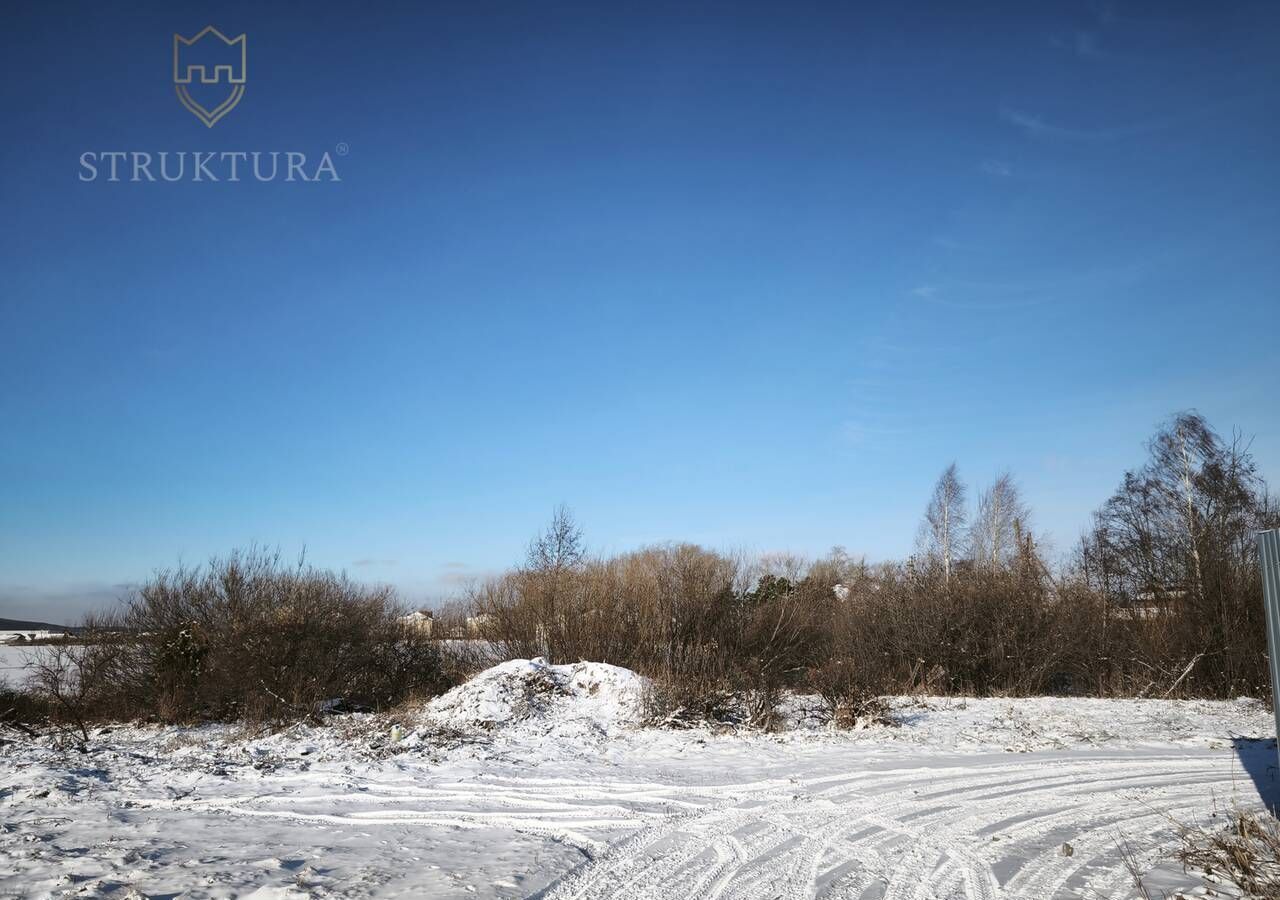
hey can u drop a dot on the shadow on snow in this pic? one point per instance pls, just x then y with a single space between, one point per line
1258 758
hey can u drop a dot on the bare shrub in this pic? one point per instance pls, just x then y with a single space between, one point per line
690 700
67 678
847 697
683 615
724 641
248 637
21 711
783 635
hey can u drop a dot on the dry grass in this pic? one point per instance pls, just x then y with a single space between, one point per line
1246 854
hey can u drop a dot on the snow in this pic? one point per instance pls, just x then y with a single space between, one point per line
524 699
536 780
1044 723
15 664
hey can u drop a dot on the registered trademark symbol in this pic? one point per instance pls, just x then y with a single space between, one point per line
343 148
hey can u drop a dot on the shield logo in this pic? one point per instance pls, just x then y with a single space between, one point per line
209 73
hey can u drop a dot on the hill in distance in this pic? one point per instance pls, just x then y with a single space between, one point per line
22 625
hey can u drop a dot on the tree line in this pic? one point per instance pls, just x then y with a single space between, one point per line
1161 597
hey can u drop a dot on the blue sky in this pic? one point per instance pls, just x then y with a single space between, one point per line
747 275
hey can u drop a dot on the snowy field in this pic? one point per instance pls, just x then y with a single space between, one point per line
14 664
532 781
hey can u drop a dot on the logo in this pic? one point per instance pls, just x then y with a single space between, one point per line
212 67
209 75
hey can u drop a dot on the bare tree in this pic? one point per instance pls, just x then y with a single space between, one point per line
559 548
1002 518
1177 540
554 558
1194 504
62 675
1191 467
944 520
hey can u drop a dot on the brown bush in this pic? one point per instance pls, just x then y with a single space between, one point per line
729 639
723 640
244 637
848 695
680 614
21 709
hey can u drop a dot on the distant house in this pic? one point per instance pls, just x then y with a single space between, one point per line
1151 604
25 637
477 626
844 593
420 619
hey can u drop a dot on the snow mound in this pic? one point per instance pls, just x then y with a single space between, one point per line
531 695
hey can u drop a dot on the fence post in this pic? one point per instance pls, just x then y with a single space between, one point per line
1269 559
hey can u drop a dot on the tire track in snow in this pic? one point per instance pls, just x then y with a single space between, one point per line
984 828
992 830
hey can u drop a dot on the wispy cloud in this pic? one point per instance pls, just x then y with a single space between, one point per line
979 296
1037 127
997 168
924 291
455 574
366 563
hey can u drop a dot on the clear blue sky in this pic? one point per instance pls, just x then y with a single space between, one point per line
747 275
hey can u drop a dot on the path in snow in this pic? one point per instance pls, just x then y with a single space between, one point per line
990 827
976 827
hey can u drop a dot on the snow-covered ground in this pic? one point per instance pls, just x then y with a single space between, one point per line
15 662
532 781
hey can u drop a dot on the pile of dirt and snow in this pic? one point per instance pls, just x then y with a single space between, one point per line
533 696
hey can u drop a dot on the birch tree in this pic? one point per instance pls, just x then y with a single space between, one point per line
1177 538
944 521
1189 511
1000 519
